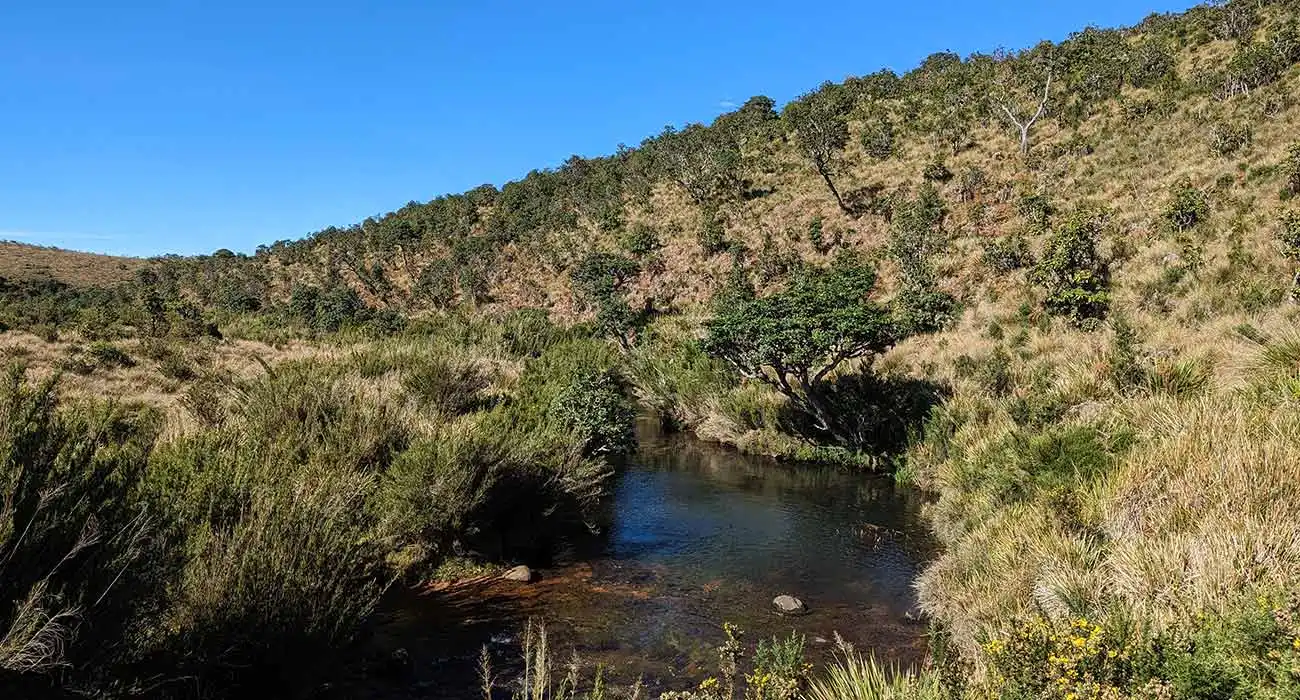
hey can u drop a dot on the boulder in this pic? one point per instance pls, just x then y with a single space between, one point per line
789 605
520 573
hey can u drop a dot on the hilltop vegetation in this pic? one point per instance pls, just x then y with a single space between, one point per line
1055 288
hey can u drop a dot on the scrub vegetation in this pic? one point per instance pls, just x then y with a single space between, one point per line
1054 288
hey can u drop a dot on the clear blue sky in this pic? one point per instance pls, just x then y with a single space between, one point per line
140 127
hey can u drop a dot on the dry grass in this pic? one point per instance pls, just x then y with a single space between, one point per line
20 261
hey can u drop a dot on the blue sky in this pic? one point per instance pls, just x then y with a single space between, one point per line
144 128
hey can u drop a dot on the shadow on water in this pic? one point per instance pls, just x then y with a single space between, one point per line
695 535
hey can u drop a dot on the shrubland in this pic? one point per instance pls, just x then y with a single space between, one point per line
1053 288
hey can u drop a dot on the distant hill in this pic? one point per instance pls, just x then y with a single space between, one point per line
24 262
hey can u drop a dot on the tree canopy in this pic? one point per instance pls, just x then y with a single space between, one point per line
794 339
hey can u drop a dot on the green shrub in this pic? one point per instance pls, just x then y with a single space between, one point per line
176 364
449 387
1007 254
529 332
936 171
1037 209
916 237
1125 358
971 182
1186 208
109 355
1227 139
817 235
712 235
1076 277
80 558
641 240
780 672
595 407
1288 234
1291 171
878 138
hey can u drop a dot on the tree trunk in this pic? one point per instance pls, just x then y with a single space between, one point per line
815 403
821 170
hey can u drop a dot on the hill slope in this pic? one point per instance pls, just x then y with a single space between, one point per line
23 262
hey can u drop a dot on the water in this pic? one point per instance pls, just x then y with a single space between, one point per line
695 535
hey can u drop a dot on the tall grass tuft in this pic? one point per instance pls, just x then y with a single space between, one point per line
857 677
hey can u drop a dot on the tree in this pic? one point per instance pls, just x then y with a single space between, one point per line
1076 277
1016 96
703 161
820 123
599 281
794 339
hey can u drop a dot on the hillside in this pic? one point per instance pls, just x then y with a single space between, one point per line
1054 289
25 262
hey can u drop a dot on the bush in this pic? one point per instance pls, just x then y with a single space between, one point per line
817 236
1291 171
1187 207
595 407
641 240
712 235
449 387
1227 139
971 182
1076 277
109 355
1125 359
1008 254
529 332
79 557
936 171
1288 234
878 138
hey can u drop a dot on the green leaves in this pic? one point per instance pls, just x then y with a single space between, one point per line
598 281
1072 270
804 332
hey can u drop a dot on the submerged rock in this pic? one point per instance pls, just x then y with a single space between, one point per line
520 573
789 605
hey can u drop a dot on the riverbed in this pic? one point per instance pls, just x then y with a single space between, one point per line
694 535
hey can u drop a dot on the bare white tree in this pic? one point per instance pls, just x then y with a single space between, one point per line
1025 124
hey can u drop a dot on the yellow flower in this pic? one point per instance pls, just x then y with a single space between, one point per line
1080 641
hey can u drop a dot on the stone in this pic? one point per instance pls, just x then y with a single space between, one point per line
520 573
789 605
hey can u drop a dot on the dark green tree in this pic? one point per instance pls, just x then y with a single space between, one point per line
820 123
599 282
794 339
1072 270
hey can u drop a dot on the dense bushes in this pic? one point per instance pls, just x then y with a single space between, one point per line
246 551
1072 270
78 547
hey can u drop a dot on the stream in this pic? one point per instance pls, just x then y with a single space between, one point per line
697 534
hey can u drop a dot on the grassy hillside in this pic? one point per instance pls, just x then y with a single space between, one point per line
24 262
1082 344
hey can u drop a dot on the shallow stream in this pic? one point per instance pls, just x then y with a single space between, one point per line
697 534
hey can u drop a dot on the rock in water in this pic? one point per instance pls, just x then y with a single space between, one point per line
789 605
520 573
